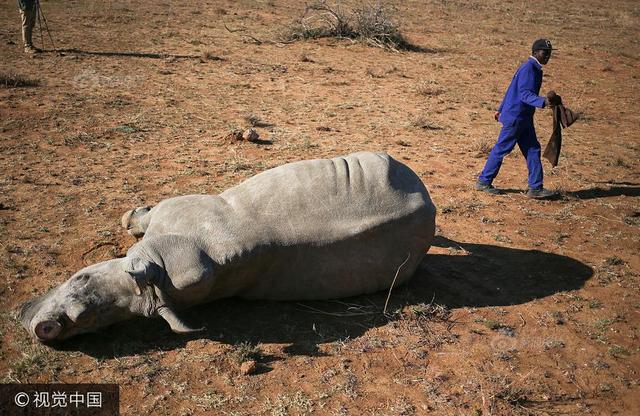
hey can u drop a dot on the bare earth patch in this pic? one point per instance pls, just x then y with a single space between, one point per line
521 307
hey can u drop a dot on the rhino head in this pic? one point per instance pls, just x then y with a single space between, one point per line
100 295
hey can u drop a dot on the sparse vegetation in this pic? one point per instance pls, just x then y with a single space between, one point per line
518 308
481 147
429 89
424 123
128 129
371 23
284 404
618 351
246 351
210 56
12 80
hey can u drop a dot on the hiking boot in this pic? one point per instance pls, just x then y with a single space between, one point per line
540 193
485 187
31 49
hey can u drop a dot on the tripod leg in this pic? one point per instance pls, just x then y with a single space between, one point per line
46 26
37 6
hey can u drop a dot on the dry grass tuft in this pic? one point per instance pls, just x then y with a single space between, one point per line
210 56
376 25
482 147
372 23
17 81
252 119
246 351
423 123
429 89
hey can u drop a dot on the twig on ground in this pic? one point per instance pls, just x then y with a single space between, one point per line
255 40
95 247
522 318
340 314
386 303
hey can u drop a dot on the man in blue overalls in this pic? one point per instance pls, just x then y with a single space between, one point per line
516 115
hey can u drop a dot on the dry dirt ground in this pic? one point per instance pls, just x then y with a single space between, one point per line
520 307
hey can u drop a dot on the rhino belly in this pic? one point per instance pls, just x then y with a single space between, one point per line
363 263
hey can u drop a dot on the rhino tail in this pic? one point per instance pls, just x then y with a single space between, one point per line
136 221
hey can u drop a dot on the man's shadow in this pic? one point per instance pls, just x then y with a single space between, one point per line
455 275
477 275
599 192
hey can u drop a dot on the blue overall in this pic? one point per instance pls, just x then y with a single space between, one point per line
516 115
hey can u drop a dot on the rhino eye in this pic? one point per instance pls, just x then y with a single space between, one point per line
82 277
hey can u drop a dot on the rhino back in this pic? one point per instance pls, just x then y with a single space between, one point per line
326 200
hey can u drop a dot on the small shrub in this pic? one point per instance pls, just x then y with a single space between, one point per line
210 56
128 129
482 147
78 139
431 311
373 24
320 20
618 351
17 81
621 163
306 58
252 119
429 89
246 351
423 123
614 261
493 325
376 24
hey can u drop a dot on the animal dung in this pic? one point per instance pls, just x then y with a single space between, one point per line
248 367
250 135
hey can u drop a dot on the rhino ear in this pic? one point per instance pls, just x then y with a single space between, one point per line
143 272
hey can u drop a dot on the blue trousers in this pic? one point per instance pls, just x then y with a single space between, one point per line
523 133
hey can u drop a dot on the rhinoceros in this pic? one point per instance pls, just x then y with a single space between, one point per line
309 230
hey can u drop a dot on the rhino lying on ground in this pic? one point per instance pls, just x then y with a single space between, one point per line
317 229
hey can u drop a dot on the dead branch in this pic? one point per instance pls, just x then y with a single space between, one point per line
255 40
95 247
339 314
384 311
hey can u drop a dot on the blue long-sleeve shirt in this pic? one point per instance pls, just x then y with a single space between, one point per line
521 99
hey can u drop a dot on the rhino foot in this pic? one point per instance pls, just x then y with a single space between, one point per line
132 221
175 322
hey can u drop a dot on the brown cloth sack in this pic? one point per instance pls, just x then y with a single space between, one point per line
562 118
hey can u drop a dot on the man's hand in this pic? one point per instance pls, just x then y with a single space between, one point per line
496 116
552 99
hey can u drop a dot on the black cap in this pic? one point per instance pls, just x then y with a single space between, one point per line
541 44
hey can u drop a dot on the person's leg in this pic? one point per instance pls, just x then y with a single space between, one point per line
530 148
28 15
26 35
506 142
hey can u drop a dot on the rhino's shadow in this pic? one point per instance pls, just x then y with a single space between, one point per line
465 275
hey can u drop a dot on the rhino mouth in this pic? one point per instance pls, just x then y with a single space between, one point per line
46 328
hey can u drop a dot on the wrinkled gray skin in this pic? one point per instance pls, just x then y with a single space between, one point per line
317 229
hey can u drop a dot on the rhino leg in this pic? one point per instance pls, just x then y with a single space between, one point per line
136 221
175 322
